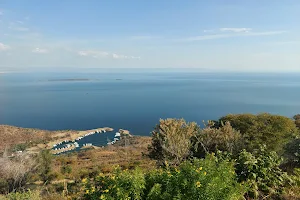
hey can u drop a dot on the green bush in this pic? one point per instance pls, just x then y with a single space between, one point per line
292 152
20 147
272 130
199 179
261 171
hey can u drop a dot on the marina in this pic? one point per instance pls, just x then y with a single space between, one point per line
85 139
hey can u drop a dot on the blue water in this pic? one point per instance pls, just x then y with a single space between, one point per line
140 99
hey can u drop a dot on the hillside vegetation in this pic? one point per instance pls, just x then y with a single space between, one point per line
239 156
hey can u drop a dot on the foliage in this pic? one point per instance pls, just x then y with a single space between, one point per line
261 170
292 152
4 187
293 191
273 130
171 140
45 161
199 179
20 147
297 120
66 169
29 195
212 139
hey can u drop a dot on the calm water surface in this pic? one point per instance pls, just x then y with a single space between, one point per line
136 101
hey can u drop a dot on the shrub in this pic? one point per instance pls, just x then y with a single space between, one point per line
199 179
4 187
119 185
20 147
273 130
14 172
292 152
171 140
261 170
212 139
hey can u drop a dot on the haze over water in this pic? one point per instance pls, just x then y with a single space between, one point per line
137 100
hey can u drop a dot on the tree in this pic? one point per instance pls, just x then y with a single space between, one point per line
211 139
273 130
171 140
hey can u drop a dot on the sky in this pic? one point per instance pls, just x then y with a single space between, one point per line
213 35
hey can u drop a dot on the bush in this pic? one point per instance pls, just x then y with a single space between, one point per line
211 139
171 140
199 179
292 152
273 130
20 147
261 170
4 187
14 172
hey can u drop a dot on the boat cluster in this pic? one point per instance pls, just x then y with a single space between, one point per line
60 143
87 144
65 148
116 138
90 133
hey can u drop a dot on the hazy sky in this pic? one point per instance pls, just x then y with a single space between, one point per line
241 35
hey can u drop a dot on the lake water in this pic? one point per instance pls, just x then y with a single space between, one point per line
137 100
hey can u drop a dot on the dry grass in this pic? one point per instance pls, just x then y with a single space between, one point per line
89 162
11 135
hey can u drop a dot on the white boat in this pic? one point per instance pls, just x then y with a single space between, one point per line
76 144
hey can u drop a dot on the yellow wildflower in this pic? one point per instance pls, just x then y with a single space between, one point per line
177 170
204 173
106 191
169 173
84 180
102 196
200 168
87 191
93 189
113 177
101 174
198 184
